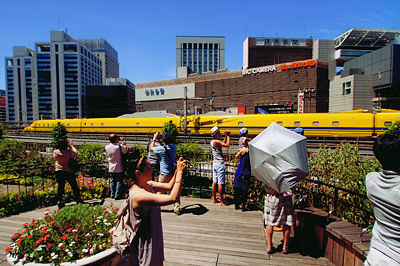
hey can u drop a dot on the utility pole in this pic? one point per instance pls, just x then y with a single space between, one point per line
185 109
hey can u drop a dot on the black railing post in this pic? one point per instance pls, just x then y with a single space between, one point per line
336 198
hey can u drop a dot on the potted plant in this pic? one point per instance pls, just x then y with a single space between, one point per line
75 235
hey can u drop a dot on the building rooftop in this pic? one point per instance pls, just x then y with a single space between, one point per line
368 39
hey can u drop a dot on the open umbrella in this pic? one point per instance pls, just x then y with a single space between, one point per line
278 157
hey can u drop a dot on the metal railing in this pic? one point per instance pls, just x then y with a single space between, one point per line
347 204
344 203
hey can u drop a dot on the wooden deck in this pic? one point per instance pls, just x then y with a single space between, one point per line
205 234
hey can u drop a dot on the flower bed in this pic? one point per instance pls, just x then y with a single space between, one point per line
70 234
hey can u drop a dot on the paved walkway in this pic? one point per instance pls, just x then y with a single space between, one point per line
205 234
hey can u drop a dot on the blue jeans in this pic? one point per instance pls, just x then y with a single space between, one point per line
116 184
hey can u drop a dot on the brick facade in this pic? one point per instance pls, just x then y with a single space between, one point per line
232 89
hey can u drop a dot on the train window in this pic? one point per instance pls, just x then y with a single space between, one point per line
240 124
315 123
219 124
388 123
85 124
48 125
102 124
297 124
91 124
335 123
280 123
137 124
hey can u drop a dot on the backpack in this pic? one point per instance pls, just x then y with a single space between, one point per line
124 235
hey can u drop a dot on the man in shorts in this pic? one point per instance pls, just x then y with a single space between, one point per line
218 162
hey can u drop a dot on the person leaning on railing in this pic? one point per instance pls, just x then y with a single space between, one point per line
64 173
383 190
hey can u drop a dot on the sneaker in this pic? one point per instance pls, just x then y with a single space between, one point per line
178 212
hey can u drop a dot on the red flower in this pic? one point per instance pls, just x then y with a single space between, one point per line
25 224
32 224
34 243
43 230
52 223
20 240
63 246
76 235
64 237
8 249
30 236
24 231
105 211
69 230
49 245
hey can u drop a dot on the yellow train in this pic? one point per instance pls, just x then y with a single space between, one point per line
347 124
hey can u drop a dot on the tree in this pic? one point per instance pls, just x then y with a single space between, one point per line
58 132
171 128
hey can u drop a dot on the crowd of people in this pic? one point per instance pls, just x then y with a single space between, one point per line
158 182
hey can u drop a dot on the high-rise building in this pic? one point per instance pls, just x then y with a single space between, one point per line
20 72
107 55
50 82
200 54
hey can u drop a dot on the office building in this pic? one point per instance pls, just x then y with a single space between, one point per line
264 51
107 55
201 55
3 107
50 82
115 99
369 82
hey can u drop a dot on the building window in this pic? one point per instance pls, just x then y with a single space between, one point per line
347 88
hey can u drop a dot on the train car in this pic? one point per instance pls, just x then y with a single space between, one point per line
347 124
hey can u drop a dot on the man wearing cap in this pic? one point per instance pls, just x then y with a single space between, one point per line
218 162
167 153
244 133
299 130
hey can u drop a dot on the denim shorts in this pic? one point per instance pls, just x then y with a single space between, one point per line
219 172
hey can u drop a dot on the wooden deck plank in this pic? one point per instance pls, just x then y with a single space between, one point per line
205 234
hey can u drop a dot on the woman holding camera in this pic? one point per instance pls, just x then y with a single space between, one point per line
63 173
146 213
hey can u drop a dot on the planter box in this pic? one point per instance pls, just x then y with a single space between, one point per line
109 257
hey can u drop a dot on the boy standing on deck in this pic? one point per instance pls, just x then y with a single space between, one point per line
218 162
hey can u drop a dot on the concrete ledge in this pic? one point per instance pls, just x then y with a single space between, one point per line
339 241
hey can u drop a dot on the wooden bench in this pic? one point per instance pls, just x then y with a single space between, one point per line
321 234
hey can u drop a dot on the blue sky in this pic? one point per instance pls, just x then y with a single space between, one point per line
143 32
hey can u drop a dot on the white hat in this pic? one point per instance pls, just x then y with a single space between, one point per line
214 130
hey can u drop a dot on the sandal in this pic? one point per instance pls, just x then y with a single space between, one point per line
285 250
269 250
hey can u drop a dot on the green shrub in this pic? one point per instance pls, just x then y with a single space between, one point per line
191 151
395 127
343 167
